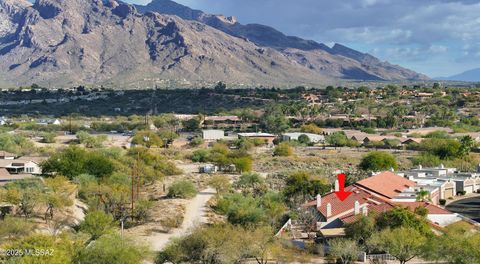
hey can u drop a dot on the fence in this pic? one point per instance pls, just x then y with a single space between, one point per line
382 257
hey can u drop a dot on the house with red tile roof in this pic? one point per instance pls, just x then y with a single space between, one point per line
377 194
386 185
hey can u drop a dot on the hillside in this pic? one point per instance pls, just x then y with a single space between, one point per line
467 76
57 43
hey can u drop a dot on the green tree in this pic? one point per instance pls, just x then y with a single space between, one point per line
305 185
337 139
404 243
378 161
347 251
113 249
241 210
362 229
200 155
182 189
97 224
221 183
250 183
243 164
75 161
304 139
14 228
311 128
274 120
56 249
148 139
192 125
467 144
402 217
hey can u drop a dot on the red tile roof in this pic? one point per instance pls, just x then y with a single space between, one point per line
339 207
387 184
372 208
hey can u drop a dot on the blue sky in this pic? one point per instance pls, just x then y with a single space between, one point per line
435 37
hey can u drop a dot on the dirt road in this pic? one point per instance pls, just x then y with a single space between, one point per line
194 215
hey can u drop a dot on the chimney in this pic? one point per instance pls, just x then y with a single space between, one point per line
442 166
365 211
392 169
337 186
329 210
319 200
420 166
357 208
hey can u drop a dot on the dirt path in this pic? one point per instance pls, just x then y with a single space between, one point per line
194 215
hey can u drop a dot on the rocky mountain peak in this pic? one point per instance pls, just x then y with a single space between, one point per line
107 42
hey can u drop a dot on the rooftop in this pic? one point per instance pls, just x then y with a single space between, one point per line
386 184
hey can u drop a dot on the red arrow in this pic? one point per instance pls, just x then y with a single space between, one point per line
342 194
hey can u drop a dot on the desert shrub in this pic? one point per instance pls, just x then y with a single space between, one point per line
182 189
283 150
200 155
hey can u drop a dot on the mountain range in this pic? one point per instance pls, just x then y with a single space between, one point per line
108 42
467 76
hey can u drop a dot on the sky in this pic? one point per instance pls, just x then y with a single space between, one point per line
434 37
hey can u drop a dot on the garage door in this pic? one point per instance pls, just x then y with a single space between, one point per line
449 193
469 189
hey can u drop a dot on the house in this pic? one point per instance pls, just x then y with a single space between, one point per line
408 141
21 166
3 121
314 138
7 177
45 122
268 138
377 194
213 135
455 182
7 156
222 121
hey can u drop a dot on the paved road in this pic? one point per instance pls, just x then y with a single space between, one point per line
194 215
469 207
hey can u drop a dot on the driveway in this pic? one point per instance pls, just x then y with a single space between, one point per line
194 216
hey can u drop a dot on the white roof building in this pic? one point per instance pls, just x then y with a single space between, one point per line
295 135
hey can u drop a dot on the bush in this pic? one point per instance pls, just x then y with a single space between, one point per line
311 128
461 193
243 164
196 141
377 161
283 150
304 139
369 130
200 155
49 137
442 202
97 223
182 189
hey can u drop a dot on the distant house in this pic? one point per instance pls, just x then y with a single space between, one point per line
314 138
269 138
408 141
21 166
7 156
213 135
45 122
7 177
3 121
222 121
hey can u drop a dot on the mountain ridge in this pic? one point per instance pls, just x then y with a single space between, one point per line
472 75
108 42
